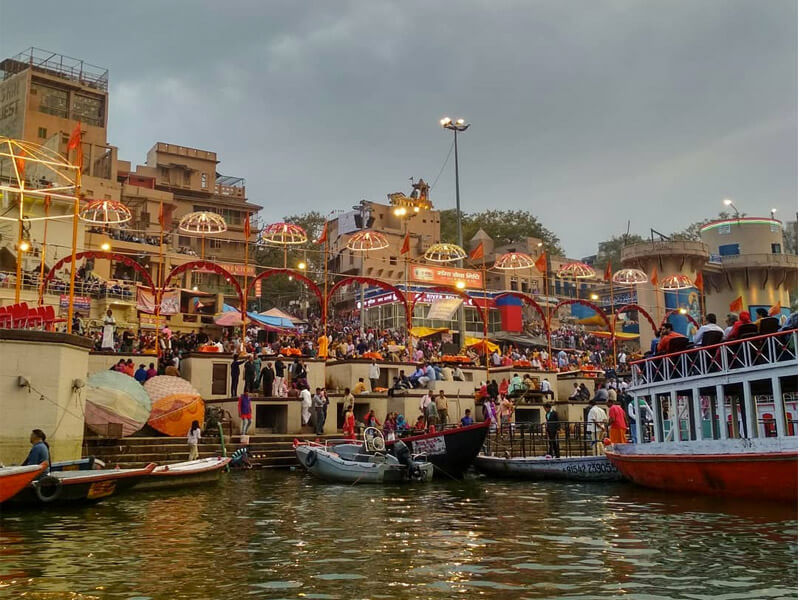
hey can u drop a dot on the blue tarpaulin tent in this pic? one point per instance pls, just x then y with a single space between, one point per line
263 320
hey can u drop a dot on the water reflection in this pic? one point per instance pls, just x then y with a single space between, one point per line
284 535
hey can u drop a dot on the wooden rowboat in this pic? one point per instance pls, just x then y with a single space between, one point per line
67 487
538 468
193 472
14 479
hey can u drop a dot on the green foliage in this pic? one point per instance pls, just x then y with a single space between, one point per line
790 238
501 225
611 250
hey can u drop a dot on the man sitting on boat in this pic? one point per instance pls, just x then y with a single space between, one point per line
40 452
709 324
667 333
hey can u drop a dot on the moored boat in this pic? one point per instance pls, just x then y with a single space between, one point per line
363 463
79 464
451 451
193 472
763 468
65 487
724 420
14 479
538 468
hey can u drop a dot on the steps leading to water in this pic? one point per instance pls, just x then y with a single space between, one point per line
266 451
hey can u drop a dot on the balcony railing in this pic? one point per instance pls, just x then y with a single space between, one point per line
737 356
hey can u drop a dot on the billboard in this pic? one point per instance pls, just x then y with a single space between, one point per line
170 301
79 303
448 276
688 299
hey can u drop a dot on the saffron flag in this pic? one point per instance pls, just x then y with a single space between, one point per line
698 281
20 161
406 247
607 274
74 143
737 305
247 228
477 253
324 236
654 277
775 310
541 263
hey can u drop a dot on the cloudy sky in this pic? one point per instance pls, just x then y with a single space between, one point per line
586 112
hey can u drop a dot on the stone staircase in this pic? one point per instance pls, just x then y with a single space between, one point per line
266 451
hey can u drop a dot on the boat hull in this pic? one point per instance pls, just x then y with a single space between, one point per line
14 479
580 468
755 469
330 467
451 451
204 471
70 487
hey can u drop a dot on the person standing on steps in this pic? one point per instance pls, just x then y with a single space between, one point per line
245 412
280 373
235 370
267 379
552 428
374 375
193 439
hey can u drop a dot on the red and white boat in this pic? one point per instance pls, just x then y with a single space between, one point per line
14 479
724 420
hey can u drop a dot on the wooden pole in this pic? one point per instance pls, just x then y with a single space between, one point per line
613 325
244 287
547 301
160 274
72 269
485 324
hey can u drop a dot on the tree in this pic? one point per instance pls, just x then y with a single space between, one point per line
790 238
611 250
504 226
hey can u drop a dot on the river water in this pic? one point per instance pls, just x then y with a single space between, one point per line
264 534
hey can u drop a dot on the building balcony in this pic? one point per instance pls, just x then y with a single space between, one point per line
752 261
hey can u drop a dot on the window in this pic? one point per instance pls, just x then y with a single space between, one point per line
187 178
215 244
88 109
729 250
52 101
184 240
776 248
724 229
204 180
64 138
42 132
392 260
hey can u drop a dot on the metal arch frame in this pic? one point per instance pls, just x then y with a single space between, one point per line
591 305
368 281
637 308
204 264
528 299
450 290
127 260
675 311
310 285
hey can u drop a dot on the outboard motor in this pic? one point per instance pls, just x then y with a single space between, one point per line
403 456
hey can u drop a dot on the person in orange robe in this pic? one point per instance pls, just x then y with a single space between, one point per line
349 426
617 423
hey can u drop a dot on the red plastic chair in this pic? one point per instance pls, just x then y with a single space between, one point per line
19 315
5 317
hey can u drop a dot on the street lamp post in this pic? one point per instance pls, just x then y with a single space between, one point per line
458 126
729 202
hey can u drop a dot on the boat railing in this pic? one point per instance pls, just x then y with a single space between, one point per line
574 438
735 356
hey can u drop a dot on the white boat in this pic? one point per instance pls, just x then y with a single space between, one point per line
537 468
363 463
192 472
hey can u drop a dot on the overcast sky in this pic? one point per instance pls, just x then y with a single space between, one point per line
586 112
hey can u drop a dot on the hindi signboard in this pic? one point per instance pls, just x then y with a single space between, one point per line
449 276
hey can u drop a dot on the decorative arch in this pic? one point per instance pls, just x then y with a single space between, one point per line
450 290
591 305
126 260
210 266
673 311
529 300
640 310
368 281
310 285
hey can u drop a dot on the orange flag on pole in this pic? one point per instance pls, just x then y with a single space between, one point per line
775 310
406 247
247 228
324 236
74 143
607 274
737 305
541 263
477 254
698 281
654 277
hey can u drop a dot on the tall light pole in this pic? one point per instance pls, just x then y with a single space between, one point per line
729 202
458 126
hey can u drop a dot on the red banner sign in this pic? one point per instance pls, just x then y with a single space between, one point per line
450 276
234 269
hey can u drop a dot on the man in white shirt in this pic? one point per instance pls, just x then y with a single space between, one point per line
458 374
544 386
596 426
374 375
709 324
730 321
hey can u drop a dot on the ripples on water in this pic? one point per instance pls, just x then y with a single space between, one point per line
285 535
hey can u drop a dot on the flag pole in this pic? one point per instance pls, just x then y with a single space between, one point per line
485 322
613 323
547 301
246 234
44 249
75 213
157 299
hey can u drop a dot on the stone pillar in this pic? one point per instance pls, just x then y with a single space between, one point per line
51 362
